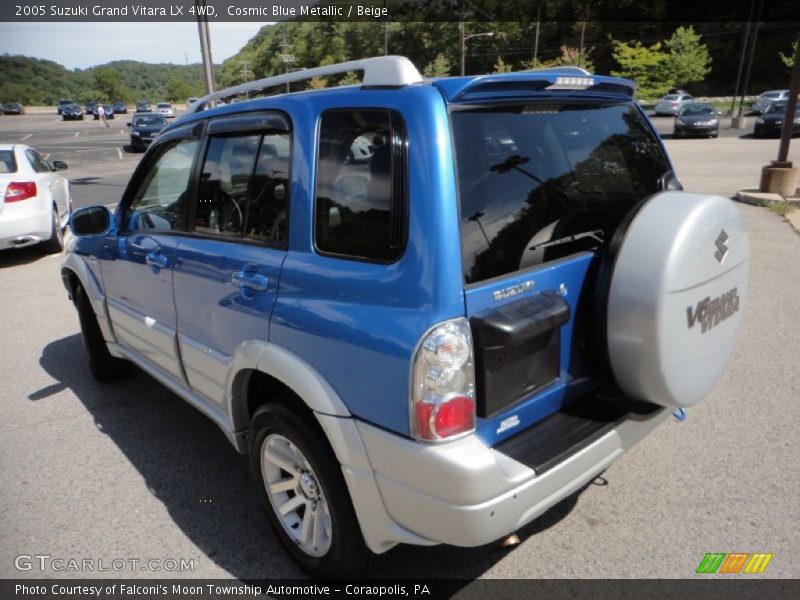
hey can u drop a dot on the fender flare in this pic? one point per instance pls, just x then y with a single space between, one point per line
288 368
76 265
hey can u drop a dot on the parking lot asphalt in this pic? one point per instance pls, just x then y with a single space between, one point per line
129 471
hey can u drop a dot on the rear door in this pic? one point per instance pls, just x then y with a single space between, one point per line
542 188
138 263
227 268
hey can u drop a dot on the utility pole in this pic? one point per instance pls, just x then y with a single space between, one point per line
791 108
287 58
750 61
583 36
741 60
205 45
781 175
536 35
461 39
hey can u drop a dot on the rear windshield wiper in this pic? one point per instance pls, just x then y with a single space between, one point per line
597 234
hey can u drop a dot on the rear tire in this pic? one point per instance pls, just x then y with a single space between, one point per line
319 528
55 244
102 365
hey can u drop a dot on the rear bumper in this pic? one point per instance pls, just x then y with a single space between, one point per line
465 493
18 231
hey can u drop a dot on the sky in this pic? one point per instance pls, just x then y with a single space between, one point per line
83 45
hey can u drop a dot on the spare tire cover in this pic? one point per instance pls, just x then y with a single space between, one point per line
676 297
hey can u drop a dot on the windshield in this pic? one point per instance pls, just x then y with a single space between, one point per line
771 95
773 109
149 121
530 175
697 109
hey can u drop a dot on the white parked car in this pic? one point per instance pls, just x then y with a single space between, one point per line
35 201
166 109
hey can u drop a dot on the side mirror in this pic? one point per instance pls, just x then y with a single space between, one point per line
128 124
93 220
60 165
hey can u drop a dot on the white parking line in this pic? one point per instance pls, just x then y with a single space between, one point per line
77 133
122 131
25 137
119 153
46 155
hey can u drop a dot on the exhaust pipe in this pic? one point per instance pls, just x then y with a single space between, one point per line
511 540
23 241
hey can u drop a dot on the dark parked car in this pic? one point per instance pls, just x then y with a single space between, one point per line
120 108
144 128
89 107
106 108
72 112
13 108
696 119
144 106
770 123
64 102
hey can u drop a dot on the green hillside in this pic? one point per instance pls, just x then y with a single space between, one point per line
34 81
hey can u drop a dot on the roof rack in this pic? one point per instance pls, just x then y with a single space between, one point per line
380 71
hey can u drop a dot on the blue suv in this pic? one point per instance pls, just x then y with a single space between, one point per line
428 310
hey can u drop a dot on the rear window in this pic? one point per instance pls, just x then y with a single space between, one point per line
772 95
671 97
8 163
542 181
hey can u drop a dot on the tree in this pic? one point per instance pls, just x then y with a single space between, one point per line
788 60
109 84
569 57
501 67
439 67
177 90
644 65
688 59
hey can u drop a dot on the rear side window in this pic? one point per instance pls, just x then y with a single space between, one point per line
37 162
360 189
8 164
538 182
244 188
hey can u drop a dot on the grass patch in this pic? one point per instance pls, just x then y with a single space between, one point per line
781 208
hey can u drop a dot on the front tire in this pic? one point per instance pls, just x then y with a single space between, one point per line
300 484
102 365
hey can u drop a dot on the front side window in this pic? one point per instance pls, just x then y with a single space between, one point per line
244 188
160 201
360 188
531 177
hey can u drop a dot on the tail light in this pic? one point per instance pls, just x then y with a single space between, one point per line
20 190
443 383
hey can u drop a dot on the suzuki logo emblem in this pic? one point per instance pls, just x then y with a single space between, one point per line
722 248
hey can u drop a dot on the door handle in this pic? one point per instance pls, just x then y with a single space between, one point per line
250 280
156 260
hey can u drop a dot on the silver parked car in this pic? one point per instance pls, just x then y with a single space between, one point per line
671 104
166 109
764 100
